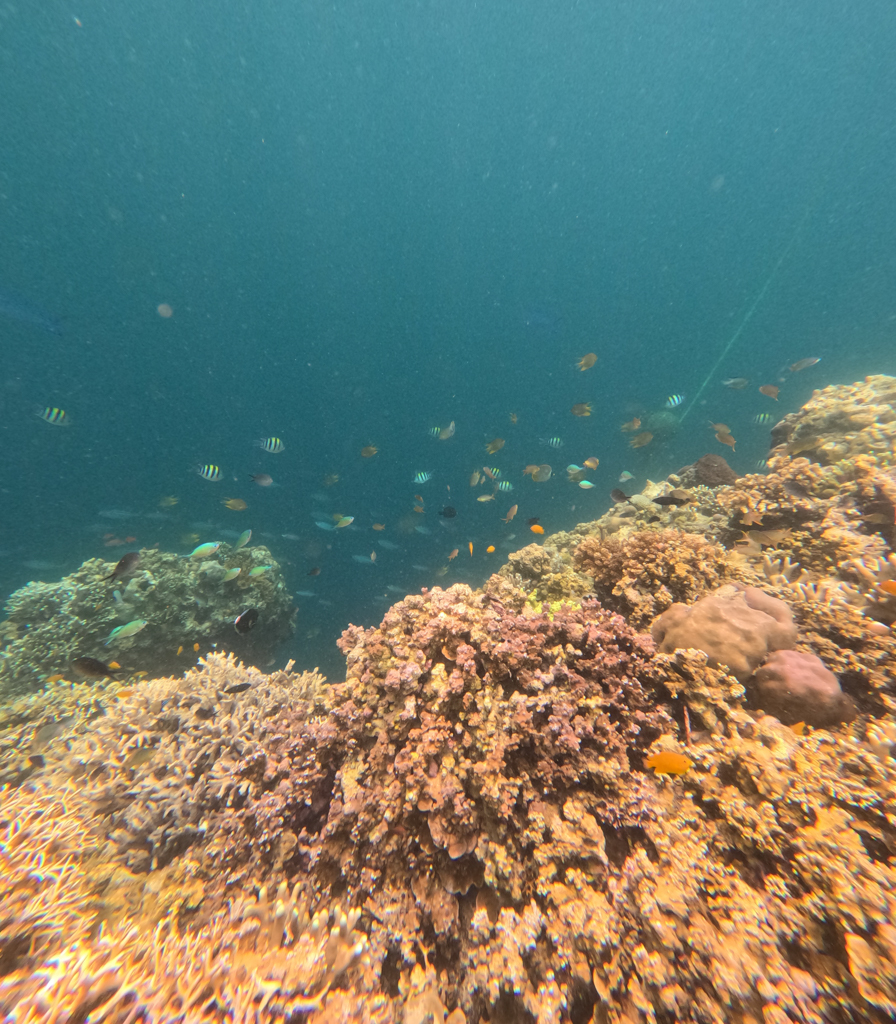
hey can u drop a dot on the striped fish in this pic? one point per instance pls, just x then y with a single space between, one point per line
209 472
422 477
505 485
763 418
270 444
53 415
673 401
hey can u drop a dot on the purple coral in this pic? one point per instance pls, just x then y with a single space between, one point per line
797 687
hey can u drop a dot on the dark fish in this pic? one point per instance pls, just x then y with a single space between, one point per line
315 571
246 620
15 308
533 521
238 688
37 760
796 490
617 495
676 497
449 512
125 566
93 668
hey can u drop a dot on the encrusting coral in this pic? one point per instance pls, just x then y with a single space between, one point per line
513 809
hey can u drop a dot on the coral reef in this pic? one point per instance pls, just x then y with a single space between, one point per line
642 574
185 602
514 807
735 627
843 421
797 687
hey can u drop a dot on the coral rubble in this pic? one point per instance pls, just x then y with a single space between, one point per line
515 807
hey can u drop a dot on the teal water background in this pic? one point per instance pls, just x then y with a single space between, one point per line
374 218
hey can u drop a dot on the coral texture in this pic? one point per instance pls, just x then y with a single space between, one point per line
735 627
797 687
184 601
478 826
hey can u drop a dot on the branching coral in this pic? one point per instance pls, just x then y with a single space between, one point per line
644 573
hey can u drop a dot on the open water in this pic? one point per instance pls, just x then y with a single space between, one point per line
371 219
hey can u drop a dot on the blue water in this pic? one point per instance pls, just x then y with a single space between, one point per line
370 219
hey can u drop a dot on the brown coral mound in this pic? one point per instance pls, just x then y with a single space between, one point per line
645 573
735 627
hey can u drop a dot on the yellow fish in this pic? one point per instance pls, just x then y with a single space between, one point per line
639 440
368 451
586 362
495 445
592 463
581 409
237 504
475 477
486 497
667 762
168 502
379 526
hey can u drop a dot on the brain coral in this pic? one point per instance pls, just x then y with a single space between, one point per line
644 573
735 627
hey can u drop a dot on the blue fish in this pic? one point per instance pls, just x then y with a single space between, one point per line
15 308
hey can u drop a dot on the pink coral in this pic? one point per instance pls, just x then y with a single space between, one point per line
797 687
735 626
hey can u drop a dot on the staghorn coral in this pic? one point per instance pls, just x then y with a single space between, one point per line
184 601
644 573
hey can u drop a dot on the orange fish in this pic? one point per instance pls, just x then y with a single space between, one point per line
888 587
771 390
195 647
180 651
720 428
581 409
800 728
726 439
490 550
471 549
495 445
513 417
586 362
667 762
125 691
368 451
639 440
631 426
419 508
113 665
237 504
591 463
379 526
453 555
535 528
511 513
488 472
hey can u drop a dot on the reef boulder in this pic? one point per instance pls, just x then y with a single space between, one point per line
734 626
795 686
